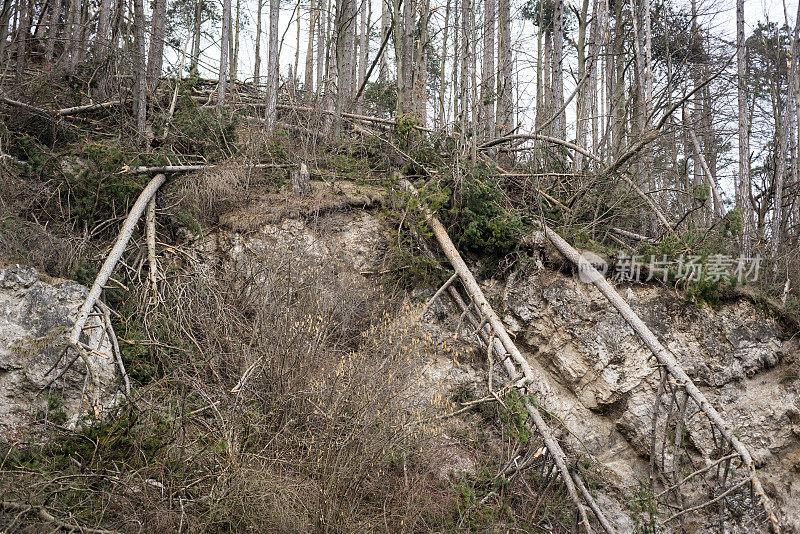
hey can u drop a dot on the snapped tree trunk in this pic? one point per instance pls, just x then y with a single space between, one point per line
300 180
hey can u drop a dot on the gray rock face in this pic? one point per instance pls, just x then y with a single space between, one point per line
601 380
35 318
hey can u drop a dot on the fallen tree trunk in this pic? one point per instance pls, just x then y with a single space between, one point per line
88 107
190 168
666 359
509 348
102 277
59 112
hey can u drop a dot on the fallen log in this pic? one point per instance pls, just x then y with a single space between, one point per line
668 360
632 235
102 277
59 112
189 168
509 348
87 107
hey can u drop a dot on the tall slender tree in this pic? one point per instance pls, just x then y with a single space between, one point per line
223 56
272 67
488 69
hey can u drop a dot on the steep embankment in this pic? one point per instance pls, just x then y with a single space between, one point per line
597 379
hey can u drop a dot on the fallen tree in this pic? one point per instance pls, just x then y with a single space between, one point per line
189 168
102 278
670 363
509 355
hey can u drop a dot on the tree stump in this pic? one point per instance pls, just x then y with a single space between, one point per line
300 180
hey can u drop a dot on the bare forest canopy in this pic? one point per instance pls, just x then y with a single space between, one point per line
702 129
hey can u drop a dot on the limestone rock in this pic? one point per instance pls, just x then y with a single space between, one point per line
35 317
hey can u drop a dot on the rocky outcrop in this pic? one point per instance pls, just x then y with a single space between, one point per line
600 380
35 317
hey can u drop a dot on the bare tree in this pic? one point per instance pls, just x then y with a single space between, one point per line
257 59
505 102
156 56
488 74
272 66
223 56
743 181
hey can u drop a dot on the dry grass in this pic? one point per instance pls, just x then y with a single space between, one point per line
324 436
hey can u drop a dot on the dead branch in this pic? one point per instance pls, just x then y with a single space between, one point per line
115 346
669 362
719 210
572 146
44 515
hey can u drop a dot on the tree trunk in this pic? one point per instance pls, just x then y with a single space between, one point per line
235 62
197 22
272 67
363 51
52 32
583 91
103 24
321 45
223 55
783 143
442 120
508 353
421 66
257 59
22 37
105 273
558 55
345 56
72 41
488 83
141 72
313 16
156 58
505 103
464 103
666 359
5 19
386 20
300 180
